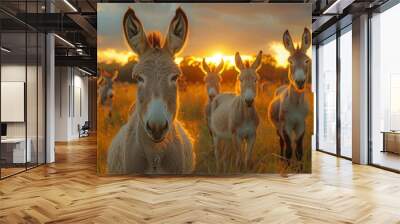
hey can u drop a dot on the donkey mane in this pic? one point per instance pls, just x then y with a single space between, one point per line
154 39
247 64
213 67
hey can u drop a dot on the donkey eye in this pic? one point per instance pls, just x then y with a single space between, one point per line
139 79
174 78
307 61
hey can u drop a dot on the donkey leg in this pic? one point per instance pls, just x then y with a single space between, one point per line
110 103
288 146
237 144
281 143
249 150
299 131
299 147
208 120
216 148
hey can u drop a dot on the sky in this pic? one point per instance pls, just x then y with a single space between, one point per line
222 28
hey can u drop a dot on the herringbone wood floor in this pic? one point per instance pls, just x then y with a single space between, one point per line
69 191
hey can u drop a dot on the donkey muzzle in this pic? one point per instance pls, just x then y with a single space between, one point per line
212 93
249 97
157 130
249 102
300 84
211 97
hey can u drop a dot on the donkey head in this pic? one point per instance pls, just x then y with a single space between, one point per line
248 77
106 79
156 73
212 78
299 62
105 83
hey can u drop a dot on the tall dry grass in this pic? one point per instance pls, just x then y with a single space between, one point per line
265 158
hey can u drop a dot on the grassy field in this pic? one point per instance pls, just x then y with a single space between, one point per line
265 157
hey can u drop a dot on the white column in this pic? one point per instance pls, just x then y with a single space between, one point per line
360 90
314 92
50 93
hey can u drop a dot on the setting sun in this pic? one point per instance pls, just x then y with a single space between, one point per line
228 59
178 60
109 56
280 54
215 59
277 50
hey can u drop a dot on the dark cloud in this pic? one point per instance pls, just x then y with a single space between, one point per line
213 27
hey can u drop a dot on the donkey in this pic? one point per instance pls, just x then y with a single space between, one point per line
288 110
234 117
105 84
212 80
153 140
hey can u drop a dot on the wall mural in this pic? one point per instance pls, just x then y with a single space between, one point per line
226 89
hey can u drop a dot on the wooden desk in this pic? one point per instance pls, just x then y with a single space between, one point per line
391 141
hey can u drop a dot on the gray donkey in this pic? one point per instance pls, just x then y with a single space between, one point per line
212 80
288 110
153 140
234 116
105 83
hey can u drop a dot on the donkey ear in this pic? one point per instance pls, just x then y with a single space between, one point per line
100 80
257 63
220 67
177 32
115 76
134 33
133 77
306 40
287 42
205 67
238 61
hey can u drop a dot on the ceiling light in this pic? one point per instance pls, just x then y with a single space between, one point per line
84 71
70 5
64 40
5 50
79 51
338 6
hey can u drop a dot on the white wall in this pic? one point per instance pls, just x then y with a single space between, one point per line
16 73
81 100
12 73
61 103
33 126
71 93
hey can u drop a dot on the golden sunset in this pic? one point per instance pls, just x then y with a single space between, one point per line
110 56
218 35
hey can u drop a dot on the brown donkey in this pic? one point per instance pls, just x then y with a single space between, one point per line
153 140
